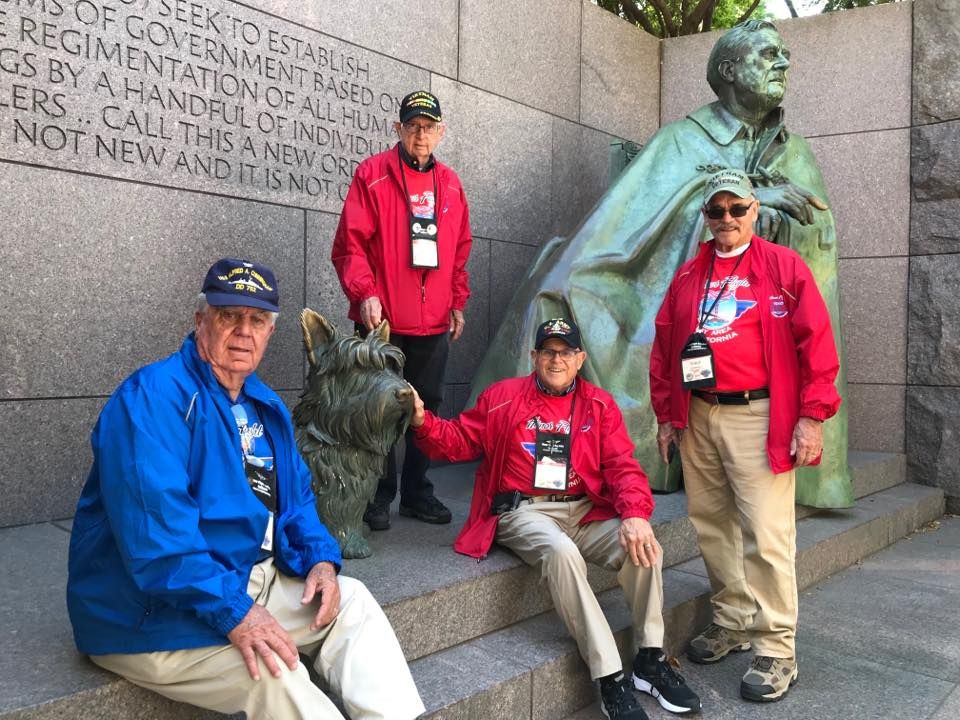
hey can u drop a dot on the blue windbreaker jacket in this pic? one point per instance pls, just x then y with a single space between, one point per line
167 529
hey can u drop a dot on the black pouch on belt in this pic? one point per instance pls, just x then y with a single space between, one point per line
505 502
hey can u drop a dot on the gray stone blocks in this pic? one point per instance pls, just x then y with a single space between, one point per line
873 295
934 320
619 76
239 103
935 169
936 55
422 33
110 280
501 52
868 180
933 443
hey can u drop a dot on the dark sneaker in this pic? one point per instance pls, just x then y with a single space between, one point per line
617 701
430 510
656 674
768 678
715 643
377 515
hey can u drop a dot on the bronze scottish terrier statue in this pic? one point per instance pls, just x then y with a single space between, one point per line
353 409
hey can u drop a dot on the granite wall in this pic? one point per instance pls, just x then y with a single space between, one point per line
933 325
140 140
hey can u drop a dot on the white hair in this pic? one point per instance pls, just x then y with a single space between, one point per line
202 306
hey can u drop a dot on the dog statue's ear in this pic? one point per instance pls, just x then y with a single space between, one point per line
317 332
383 330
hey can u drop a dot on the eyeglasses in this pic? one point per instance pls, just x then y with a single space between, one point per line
427 129
715 212
565 355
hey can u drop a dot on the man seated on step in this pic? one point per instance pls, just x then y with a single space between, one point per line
558 485
199 568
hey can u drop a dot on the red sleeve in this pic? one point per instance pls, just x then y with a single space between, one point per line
816 350
461 288
351 243
622 474
456 440
661 364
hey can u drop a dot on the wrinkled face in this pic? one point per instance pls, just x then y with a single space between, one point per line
760 76
557 364
420 136
731 232
232 338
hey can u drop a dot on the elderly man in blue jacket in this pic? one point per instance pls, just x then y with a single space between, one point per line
198 565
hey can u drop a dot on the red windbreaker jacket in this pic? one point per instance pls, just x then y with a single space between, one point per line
371 248
798 344
602 453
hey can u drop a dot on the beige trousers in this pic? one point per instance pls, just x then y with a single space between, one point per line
549 535
745 520
357 656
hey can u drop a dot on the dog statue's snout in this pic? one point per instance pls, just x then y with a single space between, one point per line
404 395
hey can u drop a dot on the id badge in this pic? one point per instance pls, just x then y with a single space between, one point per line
267 543
423 243
551 461
696 363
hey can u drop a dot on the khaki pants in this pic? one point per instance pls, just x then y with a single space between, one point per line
744 516
357 656
549 535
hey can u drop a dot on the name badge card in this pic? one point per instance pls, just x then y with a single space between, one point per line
551 461
423 243
696 363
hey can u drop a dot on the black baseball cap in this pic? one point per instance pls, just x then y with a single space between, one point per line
240 282
420 102
559 328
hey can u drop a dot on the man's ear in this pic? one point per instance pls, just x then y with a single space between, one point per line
725 69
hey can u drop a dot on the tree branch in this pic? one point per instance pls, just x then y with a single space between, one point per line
638 17
748 13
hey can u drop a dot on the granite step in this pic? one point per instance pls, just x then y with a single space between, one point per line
532 669
413 573
465 599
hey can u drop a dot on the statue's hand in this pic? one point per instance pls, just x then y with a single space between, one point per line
768 223
792 199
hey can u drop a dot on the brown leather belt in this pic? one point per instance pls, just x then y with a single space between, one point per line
551 498
742 397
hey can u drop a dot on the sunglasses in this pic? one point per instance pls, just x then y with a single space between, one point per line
715 212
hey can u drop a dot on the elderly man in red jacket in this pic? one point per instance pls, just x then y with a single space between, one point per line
742 375
560 487
401 252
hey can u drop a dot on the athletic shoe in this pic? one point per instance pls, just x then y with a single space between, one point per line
430 510
617 701
656 674
715 643
377 515
768 678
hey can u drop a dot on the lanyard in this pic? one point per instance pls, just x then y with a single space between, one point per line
704 312
406 193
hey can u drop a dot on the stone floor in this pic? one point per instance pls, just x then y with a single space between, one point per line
878 640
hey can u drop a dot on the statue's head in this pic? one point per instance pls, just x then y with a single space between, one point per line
747 68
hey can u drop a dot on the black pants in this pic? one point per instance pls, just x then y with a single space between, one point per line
426 362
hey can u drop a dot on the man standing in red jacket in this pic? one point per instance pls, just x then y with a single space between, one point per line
558 485
401 252
744 330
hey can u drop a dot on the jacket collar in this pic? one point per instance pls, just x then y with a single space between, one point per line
724 127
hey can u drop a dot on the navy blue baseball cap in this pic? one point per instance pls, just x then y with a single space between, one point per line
240 282
559 328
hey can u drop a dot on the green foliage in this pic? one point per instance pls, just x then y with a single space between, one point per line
834 5
671 18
